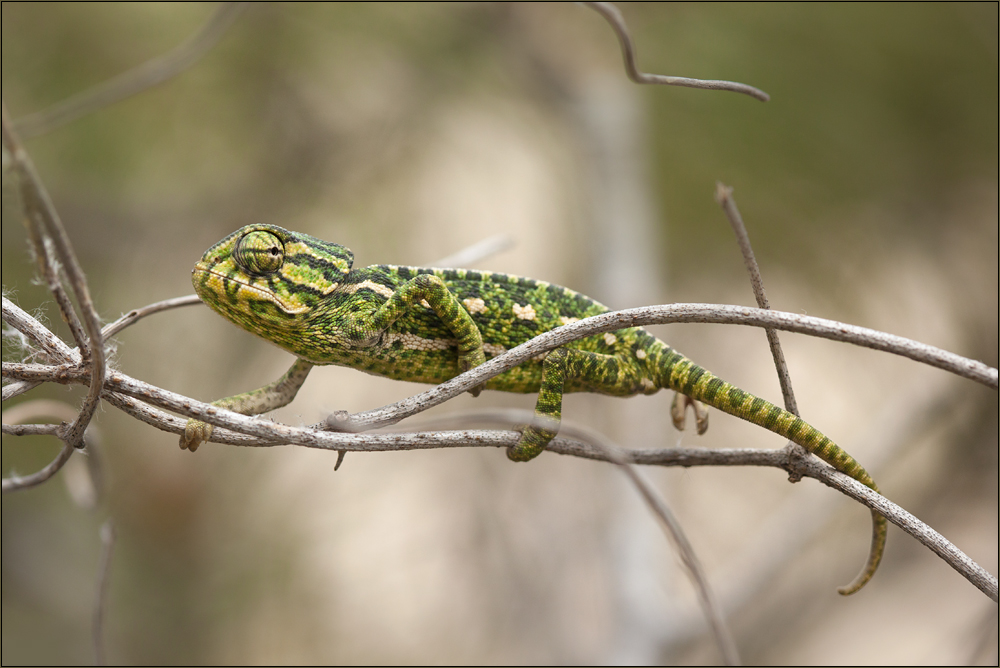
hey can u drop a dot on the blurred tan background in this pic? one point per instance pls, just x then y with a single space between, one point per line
407 132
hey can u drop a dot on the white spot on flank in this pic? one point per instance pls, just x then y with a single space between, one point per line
526 312
641 354
423 302
647 384
610 339
563 320
377 288
475 305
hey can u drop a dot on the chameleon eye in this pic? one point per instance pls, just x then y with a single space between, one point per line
259 253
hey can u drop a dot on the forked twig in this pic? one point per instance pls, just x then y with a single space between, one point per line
614 17
13 425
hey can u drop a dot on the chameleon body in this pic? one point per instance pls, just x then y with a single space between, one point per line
428 325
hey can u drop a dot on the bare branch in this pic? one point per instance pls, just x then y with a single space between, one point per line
614 17
43 222
724 196
15 389
53 346
671 313
149 74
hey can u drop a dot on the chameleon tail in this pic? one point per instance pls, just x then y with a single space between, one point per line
682 375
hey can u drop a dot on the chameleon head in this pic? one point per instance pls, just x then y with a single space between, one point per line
267 279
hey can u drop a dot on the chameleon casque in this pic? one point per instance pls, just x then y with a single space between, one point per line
428 325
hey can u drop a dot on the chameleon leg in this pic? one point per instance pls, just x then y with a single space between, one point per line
275 395
682 375
608 374
432 290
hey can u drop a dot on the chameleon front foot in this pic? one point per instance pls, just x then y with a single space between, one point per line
195 433
678 412
471 360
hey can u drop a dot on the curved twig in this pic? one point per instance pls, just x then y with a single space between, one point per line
16 482
614 17
135 315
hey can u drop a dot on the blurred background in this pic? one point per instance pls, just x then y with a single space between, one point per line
408 132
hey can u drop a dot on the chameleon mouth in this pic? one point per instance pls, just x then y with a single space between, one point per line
201 269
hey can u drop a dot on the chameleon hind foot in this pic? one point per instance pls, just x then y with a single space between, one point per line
533 442
195 433
678 412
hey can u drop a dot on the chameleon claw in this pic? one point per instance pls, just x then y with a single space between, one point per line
678 410
195 433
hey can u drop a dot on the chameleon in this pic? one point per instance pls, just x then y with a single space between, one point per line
428 325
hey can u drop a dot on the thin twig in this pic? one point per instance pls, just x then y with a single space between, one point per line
614 17
108 538
707 600
16 482
31 429
675 533
724 196
135 315
48 266
149 74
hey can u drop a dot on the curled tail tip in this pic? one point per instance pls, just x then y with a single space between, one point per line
879 530
855 586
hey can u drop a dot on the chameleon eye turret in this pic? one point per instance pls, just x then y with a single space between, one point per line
259 253
428 325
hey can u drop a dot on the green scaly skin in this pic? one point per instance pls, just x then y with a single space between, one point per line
428 325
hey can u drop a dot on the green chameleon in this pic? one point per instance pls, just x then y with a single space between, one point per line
429 325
